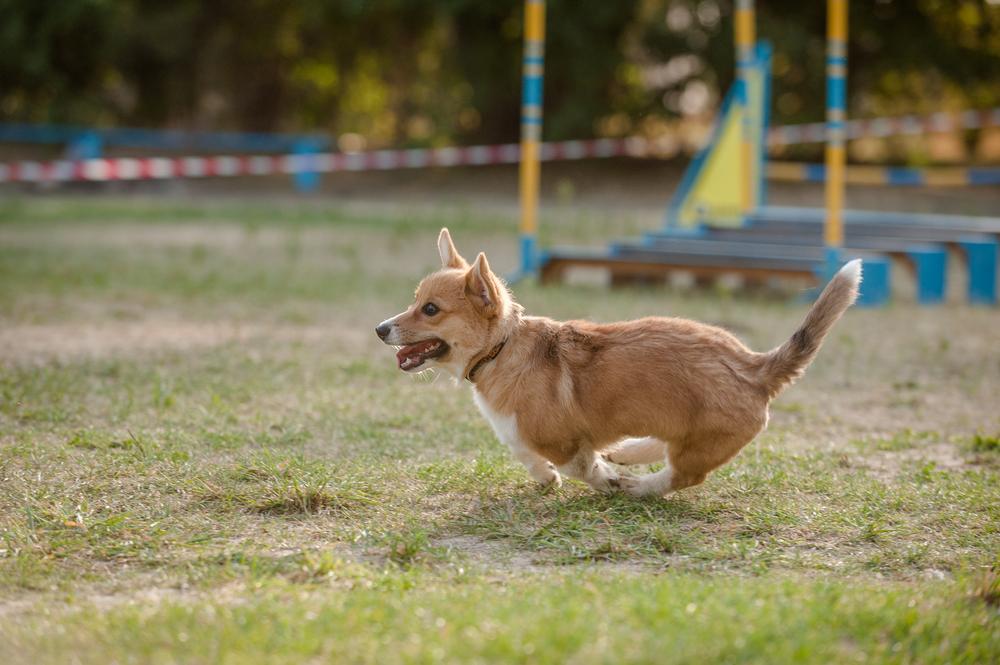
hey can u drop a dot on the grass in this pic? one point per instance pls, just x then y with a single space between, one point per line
589 617
206 456
985 442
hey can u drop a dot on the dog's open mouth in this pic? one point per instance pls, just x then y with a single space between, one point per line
413 356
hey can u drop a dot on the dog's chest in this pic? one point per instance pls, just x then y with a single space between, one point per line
505 427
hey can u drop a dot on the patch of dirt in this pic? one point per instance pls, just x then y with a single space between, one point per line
147 596
887 465
489 553
31 344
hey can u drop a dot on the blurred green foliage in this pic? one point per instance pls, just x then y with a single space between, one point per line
408 72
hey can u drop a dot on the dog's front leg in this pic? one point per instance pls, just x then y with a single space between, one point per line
542 470
507 431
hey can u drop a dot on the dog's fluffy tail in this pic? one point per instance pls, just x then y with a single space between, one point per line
788 362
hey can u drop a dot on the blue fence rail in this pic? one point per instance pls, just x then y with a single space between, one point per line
90 143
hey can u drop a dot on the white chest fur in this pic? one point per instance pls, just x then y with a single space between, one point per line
505 427
506 430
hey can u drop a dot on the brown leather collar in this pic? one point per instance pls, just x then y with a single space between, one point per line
471 374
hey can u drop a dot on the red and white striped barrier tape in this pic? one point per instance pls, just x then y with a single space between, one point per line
162 168
165 168
815 132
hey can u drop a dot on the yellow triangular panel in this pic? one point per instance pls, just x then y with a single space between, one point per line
714 196
712 189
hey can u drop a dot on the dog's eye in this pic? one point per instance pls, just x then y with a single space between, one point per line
430 309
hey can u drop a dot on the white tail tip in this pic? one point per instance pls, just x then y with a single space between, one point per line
852 270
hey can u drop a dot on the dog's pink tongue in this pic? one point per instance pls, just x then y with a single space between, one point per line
411 351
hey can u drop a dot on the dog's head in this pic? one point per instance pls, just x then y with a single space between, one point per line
459 314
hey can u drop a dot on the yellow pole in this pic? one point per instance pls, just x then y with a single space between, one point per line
533 69
836 119
744 34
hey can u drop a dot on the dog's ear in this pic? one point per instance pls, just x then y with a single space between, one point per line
482 287
450 258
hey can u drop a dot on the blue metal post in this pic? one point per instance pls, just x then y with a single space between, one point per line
981 259
932 268
307 180
85 145
875 283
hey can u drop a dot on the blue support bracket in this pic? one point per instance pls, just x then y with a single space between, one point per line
532 258
831 263
875 285
307 180
981 259
529 254
931 265
85 145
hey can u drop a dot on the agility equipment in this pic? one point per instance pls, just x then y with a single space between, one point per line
732 155
532 77
719 221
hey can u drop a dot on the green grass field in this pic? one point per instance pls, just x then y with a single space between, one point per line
206 456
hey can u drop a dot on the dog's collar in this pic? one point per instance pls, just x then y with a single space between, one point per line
471 374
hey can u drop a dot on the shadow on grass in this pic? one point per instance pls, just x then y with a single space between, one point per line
576 525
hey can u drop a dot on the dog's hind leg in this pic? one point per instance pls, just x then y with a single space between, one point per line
645 450
687 465
589 467
658 483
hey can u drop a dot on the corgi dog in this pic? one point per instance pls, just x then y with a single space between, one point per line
583 399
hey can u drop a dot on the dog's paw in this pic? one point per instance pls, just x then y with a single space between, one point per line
636 487
549 480
612 482
609 457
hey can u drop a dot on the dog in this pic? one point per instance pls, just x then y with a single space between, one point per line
571 398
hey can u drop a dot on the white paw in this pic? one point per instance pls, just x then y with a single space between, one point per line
639 487
610 457
548 478
612 481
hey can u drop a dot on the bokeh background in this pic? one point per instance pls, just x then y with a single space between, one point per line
207 456
396 73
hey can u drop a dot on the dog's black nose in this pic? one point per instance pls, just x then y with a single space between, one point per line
382 330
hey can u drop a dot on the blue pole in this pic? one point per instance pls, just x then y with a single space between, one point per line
307 180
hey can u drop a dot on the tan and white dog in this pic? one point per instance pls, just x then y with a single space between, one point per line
568 397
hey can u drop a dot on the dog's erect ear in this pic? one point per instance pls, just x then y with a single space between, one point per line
482 286
450 258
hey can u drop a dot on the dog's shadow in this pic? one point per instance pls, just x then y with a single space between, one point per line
575 523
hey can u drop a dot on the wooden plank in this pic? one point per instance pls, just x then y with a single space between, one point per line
770 246
661 265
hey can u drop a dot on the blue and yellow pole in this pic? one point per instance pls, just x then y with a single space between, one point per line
836 123
744 36
533 70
